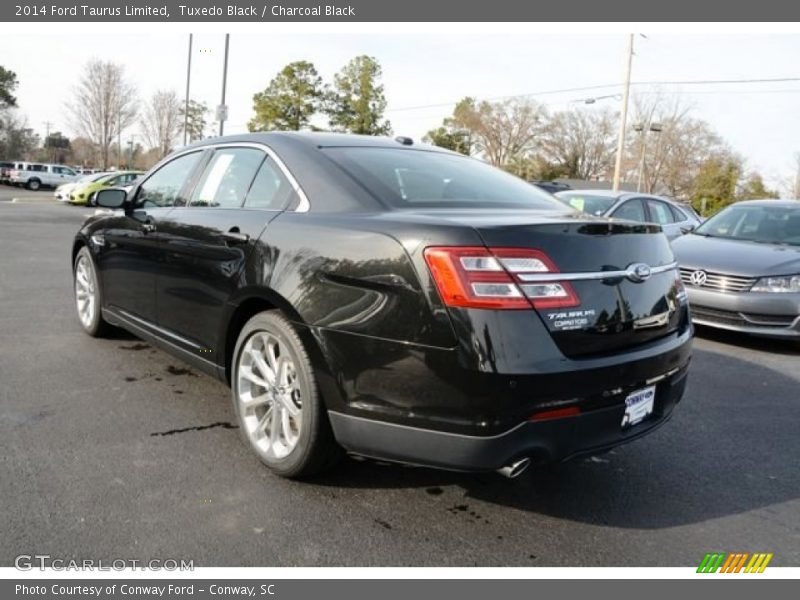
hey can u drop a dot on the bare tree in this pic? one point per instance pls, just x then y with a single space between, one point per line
162 122
581 143
502 130
668 160
103 105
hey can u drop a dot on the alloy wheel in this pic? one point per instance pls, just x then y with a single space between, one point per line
269 395
85 291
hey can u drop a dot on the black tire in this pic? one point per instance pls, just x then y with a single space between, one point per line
94 325
316 449
34 184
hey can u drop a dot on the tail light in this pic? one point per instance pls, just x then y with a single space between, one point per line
476 277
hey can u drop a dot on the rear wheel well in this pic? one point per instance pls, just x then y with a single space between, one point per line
76 247
244 312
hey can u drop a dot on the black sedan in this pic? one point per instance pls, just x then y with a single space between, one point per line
401 302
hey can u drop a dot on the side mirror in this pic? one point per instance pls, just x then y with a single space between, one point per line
111 198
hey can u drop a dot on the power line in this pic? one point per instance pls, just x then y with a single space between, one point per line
608 86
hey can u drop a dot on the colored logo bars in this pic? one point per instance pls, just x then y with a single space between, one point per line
734 562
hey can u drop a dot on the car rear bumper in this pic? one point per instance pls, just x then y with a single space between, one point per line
762 314
430 406
553 440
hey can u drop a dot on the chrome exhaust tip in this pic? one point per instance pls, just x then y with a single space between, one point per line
515 469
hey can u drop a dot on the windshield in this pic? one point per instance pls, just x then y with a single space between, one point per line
765 224
424 179
588 203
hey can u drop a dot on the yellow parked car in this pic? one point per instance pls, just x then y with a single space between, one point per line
82 194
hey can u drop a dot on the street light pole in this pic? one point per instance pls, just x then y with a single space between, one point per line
223 108
119 139
643 131
186 104
624 115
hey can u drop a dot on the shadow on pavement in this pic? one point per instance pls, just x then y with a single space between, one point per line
775 346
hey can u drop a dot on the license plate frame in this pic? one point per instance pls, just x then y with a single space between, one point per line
639 405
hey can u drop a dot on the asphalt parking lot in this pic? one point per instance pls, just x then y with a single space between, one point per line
113 449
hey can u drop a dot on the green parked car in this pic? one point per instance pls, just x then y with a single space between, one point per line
82 194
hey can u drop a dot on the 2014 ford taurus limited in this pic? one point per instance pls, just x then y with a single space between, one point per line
391 300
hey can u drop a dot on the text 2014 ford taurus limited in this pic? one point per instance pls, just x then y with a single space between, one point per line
395 301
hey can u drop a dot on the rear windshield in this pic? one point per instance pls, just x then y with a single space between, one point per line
588 203
766 224
423 179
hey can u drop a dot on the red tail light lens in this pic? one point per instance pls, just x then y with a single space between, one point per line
476 277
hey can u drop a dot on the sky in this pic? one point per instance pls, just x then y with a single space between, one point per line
760 121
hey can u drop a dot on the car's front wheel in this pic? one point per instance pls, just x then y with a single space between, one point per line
279 409
87 294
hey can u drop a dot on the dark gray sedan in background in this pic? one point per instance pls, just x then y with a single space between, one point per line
741 268
675 219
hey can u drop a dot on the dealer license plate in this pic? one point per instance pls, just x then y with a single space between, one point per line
638 406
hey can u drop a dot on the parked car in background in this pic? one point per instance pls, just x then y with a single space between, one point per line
82 194
741 268
63 191
551 186
674 219
404 303
36 175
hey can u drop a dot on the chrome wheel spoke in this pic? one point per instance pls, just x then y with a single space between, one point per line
289 406
264 421
286 426
251 401
262 366
275 426
249 375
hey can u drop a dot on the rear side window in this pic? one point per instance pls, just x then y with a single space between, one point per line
418 178
678 215
591 204
163 187
660 212
632 210
270 190
227 177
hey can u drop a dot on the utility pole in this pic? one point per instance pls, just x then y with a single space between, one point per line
222 111
47 125
186 104
624 114
119 139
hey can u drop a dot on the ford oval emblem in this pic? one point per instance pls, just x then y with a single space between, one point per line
639 272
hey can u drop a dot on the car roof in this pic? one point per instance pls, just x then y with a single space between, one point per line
619 195
320 140
769 202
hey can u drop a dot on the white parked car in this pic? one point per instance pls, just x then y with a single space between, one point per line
36 175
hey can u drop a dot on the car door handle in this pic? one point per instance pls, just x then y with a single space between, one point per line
235 236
